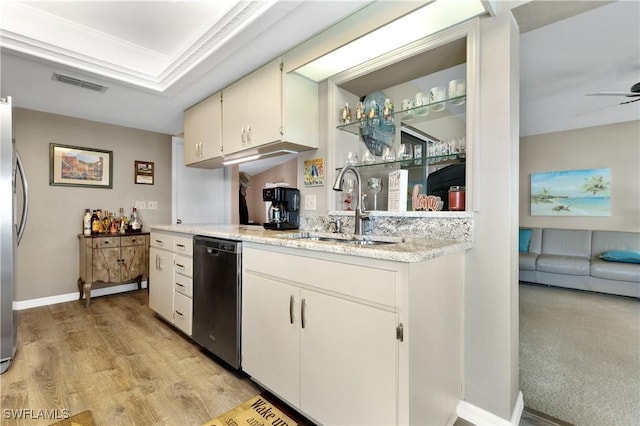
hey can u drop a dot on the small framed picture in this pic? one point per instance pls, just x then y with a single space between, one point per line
76 166
144 172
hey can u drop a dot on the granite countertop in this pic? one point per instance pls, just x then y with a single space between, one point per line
408 250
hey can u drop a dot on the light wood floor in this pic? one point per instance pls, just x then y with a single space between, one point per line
117 359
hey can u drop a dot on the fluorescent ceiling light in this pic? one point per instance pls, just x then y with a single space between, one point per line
431 18
241 160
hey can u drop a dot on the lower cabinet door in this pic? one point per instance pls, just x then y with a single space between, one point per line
349 362
134 260
271 335
161 282
182 312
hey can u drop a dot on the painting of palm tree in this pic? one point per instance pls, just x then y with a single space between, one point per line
584 192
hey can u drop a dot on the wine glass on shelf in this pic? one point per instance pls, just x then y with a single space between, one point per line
349 188
374 185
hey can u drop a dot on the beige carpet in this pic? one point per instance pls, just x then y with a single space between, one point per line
580 355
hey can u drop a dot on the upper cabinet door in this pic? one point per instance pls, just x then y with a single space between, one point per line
235 116
203 131
265 104
252 110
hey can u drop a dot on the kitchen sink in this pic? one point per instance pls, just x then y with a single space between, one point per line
352 240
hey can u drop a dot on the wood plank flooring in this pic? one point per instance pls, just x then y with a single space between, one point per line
117 359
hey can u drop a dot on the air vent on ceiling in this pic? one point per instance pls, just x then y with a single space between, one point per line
77 82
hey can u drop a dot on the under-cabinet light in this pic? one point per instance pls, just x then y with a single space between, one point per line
241 160
429 19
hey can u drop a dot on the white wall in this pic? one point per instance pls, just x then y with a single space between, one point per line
47 258
615 146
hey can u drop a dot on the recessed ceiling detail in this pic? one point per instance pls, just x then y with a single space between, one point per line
39 29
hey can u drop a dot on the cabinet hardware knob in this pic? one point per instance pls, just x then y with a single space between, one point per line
179 313
303 308
180 285
180 245
179 265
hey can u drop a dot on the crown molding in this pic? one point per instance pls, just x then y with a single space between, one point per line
33 32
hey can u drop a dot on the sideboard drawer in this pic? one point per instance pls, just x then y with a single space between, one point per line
134 240
105 242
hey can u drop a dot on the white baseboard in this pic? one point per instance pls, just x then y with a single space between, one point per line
481 417
61 298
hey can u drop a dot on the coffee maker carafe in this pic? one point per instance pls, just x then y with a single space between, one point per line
284 212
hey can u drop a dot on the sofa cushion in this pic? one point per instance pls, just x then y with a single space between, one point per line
615 271
528 261
602 241
566 242
524 238
560 264
623 256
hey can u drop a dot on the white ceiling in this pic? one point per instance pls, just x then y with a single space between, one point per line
160 57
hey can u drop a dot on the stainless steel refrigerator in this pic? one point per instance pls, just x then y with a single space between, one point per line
11 230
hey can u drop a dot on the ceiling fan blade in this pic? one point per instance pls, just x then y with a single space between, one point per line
613 94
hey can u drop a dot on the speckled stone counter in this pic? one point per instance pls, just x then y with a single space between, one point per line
404 248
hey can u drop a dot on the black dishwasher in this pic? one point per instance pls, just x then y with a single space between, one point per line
217 289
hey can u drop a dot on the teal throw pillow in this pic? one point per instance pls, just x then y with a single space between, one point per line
525 238
624 256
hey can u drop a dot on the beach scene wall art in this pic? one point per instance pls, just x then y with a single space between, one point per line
584 192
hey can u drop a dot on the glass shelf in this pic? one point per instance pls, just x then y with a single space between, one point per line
418 162
408 116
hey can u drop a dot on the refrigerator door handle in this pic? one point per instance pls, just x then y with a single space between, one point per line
25 197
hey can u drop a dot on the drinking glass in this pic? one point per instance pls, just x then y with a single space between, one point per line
374 185
457 90
348 189
421 103
388 154
405 153
352 159
437 98
368 158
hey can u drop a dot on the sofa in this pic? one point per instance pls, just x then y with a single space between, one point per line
600 261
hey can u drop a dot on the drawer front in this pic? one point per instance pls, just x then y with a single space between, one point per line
183 285
134 240
105 242
183 245
182 312
368 283
184 265
162 240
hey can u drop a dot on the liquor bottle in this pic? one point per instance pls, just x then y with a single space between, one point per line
95 223
123 221
106 222
136 224
86 222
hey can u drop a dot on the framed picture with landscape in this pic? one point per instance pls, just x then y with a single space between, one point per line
76 166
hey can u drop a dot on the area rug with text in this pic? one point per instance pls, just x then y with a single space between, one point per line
258 411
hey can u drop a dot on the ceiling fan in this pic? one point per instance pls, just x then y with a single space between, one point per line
634 93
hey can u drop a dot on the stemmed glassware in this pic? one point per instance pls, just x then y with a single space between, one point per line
374 185
349 188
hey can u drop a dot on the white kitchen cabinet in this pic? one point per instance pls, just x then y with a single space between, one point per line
381 341
316 348
268 106
203 133
161 275
170 271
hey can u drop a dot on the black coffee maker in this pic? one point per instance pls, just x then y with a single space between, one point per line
284 212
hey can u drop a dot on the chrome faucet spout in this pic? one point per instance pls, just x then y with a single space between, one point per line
361 214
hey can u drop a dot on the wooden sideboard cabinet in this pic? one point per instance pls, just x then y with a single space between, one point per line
112 259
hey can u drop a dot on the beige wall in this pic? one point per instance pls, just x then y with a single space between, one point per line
615 146
47 258
285 172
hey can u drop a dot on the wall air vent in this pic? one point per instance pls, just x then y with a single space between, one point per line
80 83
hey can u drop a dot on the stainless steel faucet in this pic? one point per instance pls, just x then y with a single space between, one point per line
361 215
